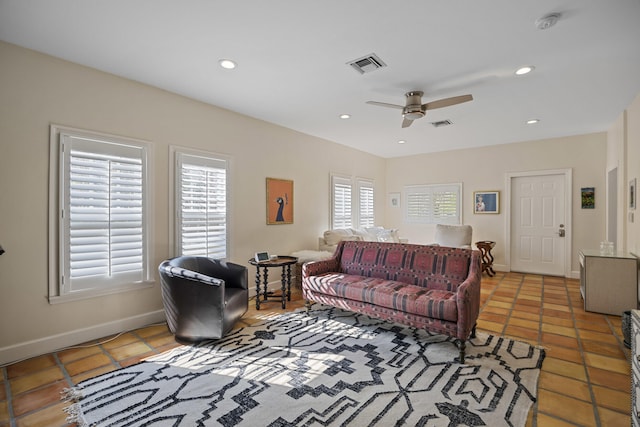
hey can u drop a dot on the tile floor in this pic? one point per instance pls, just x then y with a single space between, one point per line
584 379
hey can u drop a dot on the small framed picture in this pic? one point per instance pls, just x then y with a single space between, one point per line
394 200
279 201
632 194
486 202
588 197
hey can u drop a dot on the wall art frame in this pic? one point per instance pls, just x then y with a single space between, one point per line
279 201
486 202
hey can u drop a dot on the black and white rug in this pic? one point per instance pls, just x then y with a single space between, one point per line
324 368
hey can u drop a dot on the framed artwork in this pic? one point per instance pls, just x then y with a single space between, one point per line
632 194
486 202
588 197
279 201
394 200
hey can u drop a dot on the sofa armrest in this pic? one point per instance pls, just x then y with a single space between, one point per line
316 268
468 297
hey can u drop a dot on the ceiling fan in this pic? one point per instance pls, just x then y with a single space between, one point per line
414 108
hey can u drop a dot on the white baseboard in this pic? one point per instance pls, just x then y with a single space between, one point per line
52 343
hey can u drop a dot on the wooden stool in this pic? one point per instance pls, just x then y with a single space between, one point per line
485 247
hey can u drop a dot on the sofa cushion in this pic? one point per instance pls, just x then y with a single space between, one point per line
333 237
433 303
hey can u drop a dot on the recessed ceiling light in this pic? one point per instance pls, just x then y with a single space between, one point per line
227 64
345 116
533 121
402 141
524 70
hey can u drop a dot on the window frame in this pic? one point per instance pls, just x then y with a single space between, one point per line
428 190
59 258
203 157
354 184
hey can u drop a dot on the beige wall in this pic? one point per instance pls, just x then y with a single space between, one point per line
633 171
486 169
38 90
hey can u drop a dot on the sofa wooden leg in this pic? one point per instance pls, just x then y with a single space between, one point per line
473 331
462 345
308 305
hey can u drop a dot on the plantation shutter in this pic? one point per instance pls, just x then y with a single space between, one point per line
341 200
433 204
366 208
102 213
202 206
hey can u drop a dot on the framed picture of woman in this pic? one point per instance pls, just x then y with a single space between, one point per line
486 202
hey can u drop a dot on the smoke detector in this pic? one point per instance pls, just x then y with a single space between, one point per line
547 21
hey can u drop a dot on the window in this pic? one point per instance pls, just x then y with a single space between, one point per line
347 211
201 205
365 200
102 201
433 204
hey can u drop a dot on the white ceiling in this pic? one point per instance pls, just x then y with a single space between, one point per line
292 61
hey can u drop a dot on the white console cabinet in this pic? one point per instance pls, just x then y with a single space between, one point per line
608 283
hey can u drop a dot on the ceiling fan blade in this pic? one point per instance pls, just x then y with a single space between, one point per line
384 104
446 102
406 123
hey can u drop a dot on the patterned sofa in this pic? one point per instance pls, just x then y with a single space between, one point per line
436 288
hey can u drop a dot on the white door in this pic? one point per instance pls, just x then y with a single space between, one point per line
538 224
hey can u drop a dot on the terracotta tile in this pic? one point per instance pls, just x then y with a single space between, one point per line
490 326
590 326
564 385
4 413
496 310
613 399
129 350
603 349
529 308
524 323
544 420
598 336
153 330
162 341
568 323
3 389
495 318
94 373
564 368
87 364
39 398
71 354
547 338
558 330
30 365
50 416
564 353
608 363
35 380
566 408
526 315
556 313
609 379
119 341
614 418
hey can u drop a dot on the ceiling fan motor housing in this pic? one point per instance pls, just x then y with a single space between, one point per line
413 109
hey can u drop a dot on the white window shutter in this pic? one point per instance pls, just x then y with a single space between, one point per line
341 211
433 204
202 206
103 209
366 217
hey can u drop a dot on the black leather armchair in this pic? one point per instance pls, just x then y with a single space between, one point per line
203 297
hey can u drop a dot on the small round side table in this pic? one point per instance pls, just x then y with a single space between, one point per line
281 261
485 247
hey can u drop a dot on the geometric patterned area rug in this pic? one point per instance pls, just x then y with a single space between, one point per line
327 367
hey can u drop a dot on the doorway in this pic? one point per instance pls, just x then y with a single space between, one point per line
539 230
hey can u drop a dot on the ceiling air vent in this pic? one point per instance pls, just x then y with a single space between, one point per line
368 63
442 123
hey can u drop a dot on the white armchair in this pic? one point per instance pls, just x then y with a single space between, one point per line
455 236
